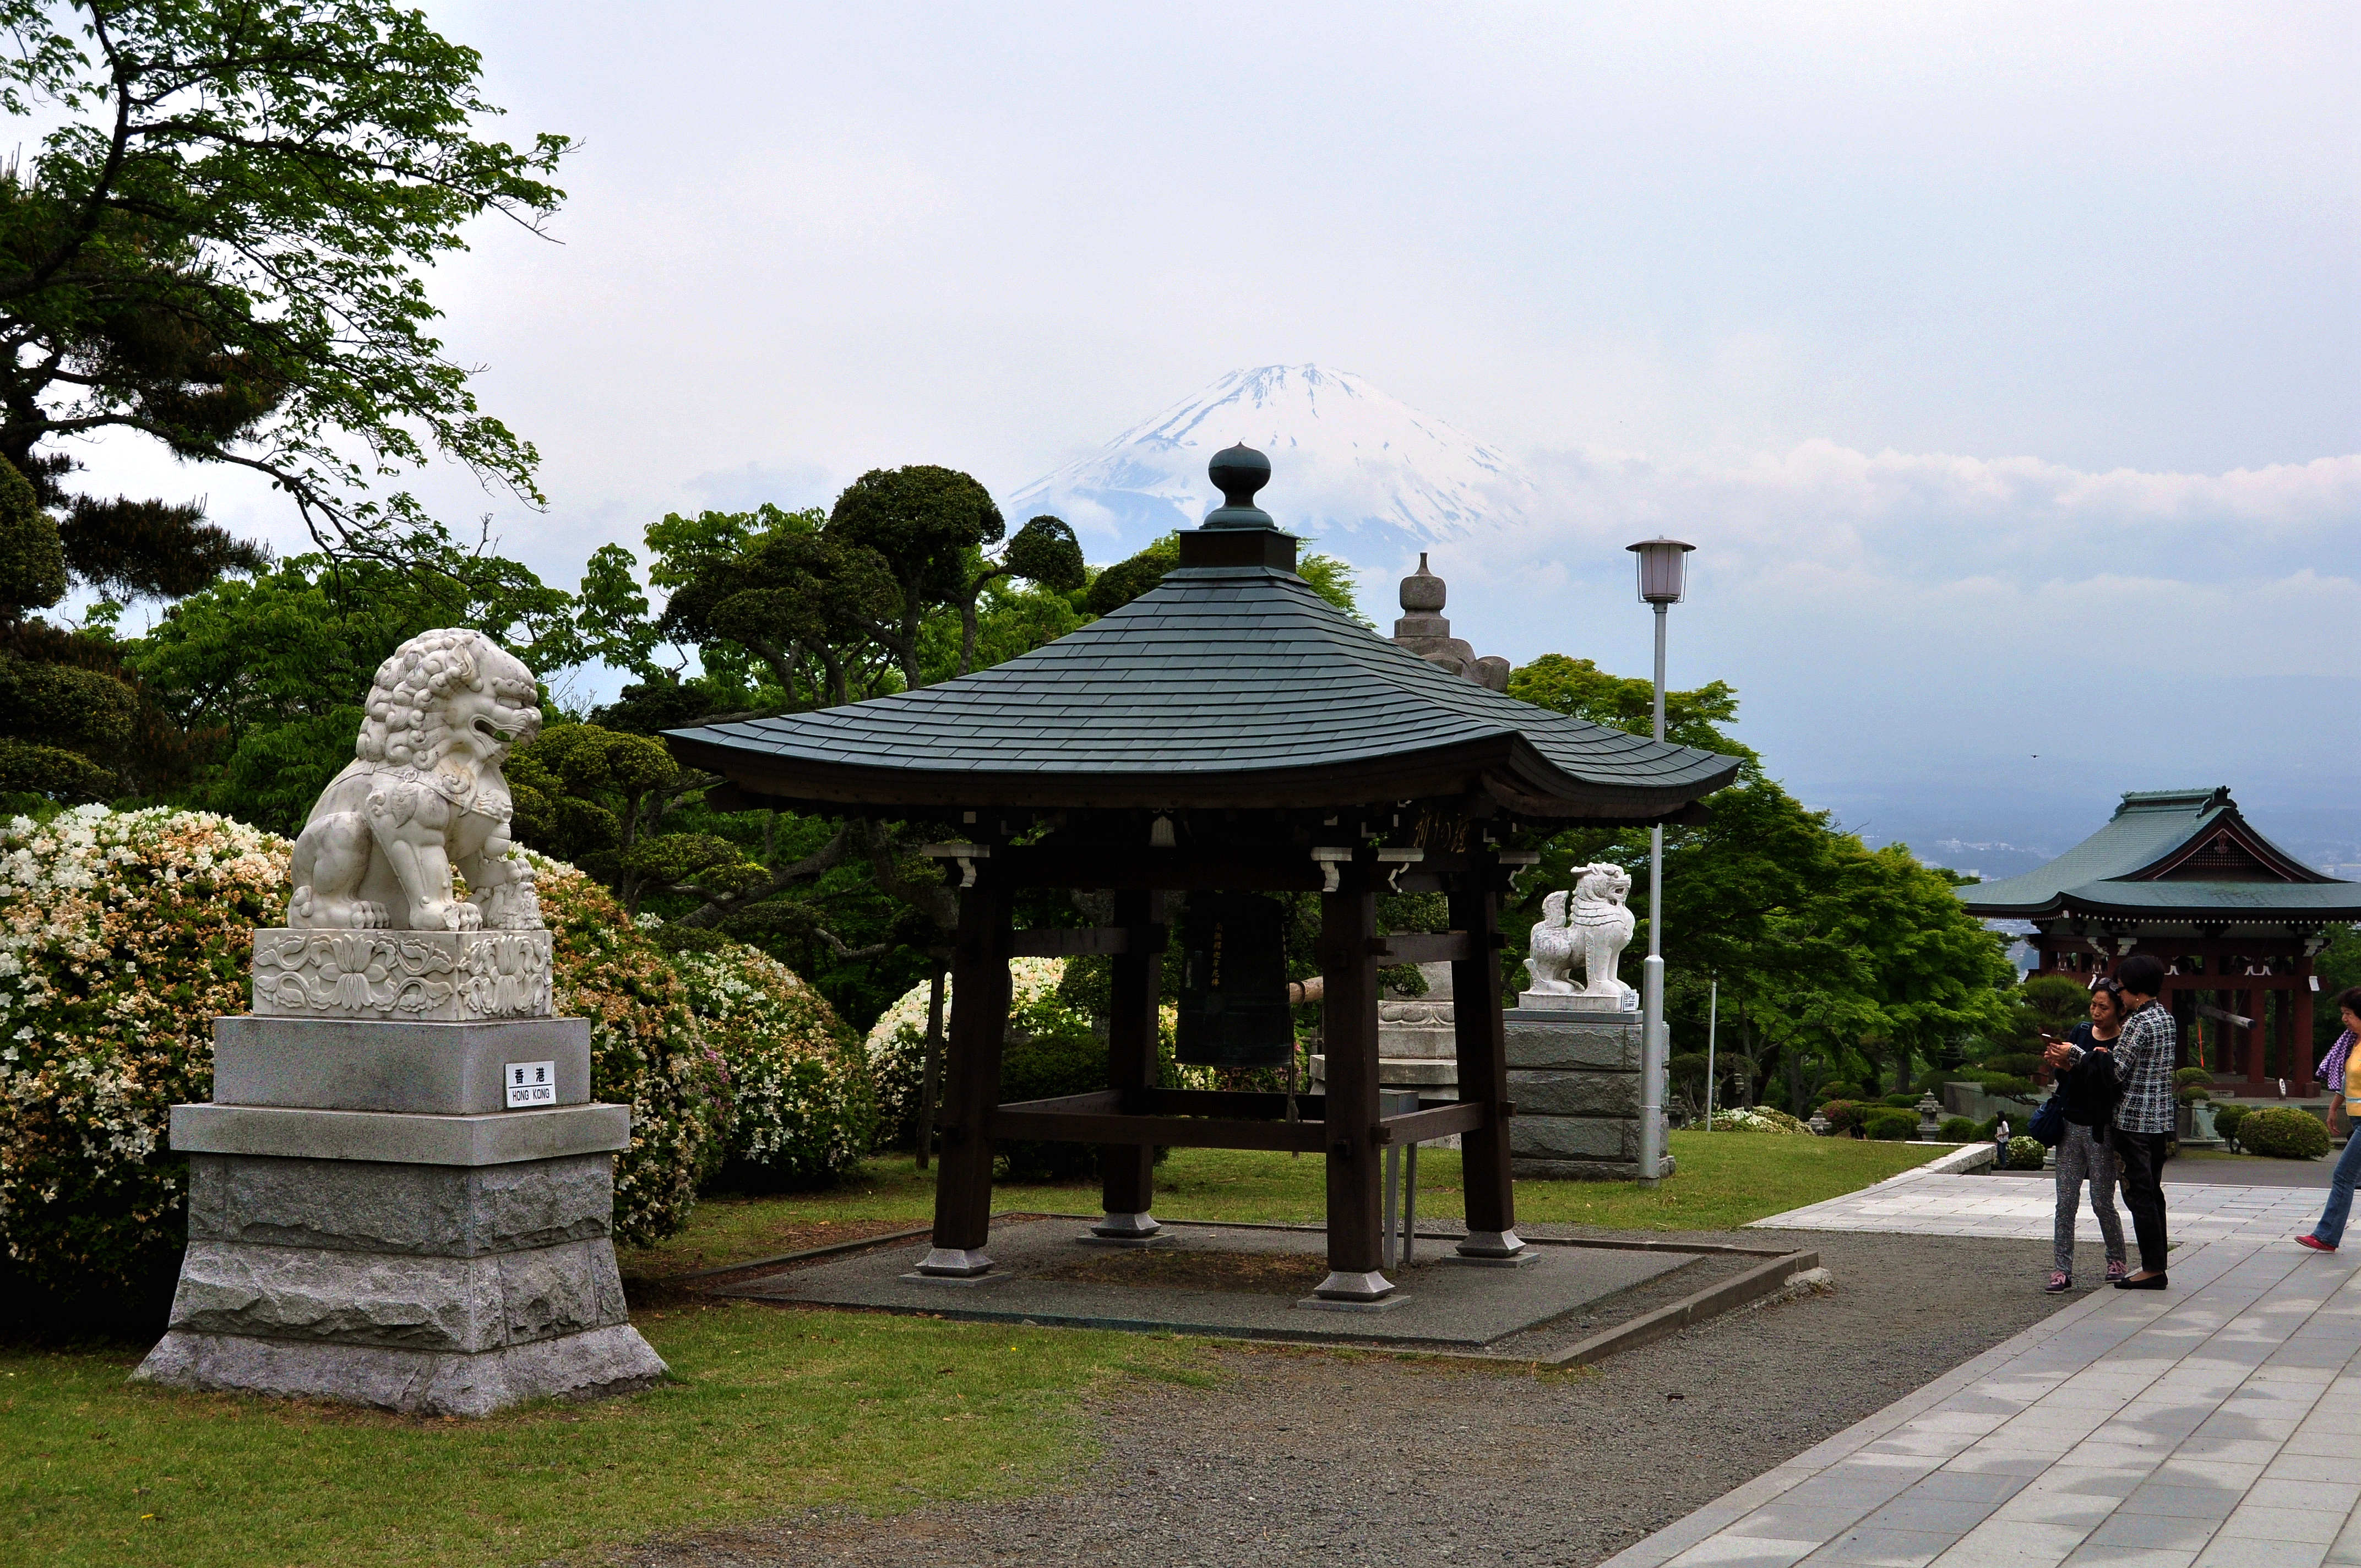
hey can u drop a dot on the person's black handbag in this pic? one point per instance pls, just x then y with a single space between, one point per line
2049 1124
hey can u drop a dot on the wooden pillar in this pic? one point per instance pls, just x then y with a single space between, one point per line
1480 1037
1129 1170
2299 1029
980 995
1348 1012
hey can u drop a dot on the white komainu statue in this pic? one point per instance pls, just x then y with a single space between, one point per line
1597 929
424 796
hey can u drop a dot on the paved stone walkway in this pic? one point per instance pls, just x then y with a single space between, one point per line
2214 1425
2019 1208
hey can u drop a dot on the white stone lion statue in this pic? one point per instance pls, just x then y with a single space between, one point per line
424 797
1596 929
1604 922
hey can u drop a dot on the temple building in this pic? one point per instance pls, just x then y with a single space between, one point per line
2238 920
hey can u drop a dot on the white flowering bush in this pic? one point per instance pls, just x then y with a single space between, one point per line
802 1111
123 935
1759 1118
896 1045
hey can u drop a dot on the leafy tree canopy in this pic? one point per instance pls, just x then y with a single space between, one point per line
1825 952
276 667
1116 586
220 248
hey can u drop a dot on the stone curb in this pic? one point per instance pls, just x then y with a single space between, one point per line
1763 1279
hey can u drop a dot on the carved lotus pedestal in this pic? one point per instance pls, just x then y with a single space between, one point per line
395 1213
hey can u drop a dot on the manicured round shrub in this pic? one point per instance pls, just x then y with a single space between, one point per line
2025 1154
1890 1125
1844 1117
801 1109
123 935
646 1050
1063 1057
1902 1101
1838 1090
2282 1132
2227 1118
2193 1078
1961 1130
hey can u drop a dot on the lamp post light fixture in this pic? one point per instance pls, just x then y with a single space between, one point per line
1663 580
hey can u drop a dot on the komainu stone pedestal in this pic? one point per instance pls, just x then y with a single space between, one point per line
1575 1079
447 1258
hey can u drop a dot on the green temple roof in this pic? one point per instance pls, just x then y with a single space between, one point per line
2177 855
1232 684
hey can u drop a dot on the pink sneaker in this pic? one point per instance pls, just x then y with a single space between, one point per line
2060 1282
2314 1242
2117 1269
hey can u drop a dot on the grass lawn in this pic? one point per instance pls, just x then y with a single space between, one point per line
1724 1180
775 1411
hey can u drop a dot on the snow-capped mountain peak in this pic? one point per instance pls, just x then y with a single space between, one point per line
1346 460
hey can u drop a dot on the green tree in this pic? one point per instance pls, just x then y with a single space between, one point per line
76 724
221 247
1825 952
1113 586
1580 688
277 666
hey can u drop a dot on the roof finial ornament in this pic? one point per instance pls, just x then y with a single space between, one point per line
1238 472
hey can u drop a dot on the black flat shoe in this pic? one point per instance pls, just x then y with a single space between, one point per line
2153 1282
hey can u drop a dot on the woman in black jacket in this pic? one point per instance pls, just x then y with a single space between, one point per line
2086 1093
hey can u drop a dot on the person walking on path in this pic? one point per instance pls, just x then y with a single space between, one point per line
2340 1068
2086 1099
2143 1056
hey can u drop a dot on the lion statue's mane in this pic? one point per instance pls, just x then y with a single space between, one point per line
424 797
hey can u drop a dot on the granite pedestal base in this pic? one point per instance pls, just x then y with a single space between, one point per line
438 1262
1575 1079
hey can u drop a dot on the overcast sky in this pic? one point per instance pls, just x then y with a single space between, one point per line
1996 357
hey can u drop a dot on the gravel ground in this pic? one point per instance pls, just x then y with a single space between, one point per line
1312 1456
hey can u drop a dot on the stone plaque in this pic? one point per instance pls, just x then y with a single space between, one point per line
441 976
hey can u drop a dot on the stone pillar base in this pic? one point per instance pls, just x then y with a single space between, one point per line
1575 1079
348 1242
612 1360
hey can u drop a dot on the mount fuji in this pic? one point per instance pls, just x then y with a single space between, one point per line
1364 473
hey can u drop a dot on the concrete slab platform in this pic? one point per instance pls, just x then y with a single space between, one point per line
1227 1280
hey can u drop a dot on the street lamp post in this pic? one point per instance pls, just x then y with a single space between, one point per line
1664 572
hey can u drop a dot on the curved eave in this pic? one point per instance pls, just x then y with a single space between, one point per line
2270 905
1505 766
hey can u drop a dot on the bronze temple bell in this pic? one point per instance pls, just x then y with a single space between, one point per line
1233 1005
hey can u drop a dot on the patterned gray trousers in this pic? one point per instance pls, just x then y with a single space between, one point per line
2081 1157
